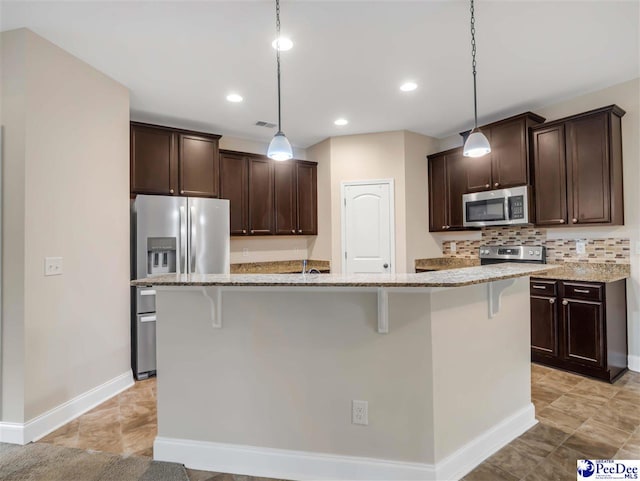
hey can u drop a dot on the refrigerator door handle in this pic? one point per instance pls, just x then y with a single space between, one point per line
182 266
192 235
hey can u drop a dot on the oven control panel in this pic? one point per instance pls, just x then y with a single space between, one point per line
514 253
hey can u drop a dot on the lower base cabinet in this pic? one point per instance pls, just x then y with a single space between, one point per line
580 326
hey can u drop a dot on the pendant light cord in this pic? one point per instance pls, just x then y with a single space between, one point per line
278 62
473 65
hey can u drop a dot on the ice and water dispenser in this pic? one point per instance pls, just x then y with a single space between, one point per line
161 255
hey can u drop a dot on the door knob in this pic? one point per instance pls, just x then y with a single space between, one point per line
385 265
565 302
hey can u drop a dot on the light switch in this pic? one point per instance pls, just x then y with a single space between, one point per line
52 266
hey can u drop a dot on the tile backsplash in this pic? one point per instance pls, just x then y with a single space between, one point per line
611 250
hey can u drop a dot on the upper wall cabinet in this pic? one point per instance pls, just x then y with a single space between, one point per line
268 197
447 183
508 163
169 161
578 169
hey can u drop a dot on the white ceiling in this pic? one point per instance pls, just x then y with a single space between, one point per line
180 59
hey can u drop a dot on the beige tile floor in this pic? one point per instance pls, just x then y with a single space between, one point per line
579 418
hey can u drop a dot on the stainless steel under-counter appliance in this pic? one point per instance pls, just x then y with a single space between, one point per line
171 235
496 207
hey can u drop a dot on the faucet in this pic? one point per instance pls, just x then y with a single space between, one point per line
304 266
310 271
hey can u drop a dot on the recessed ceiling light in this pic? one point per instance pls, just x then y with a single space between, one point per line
408 86
341 122
234 98
282 44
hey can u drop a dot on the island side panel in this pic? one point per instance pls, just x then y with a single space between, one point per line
481 366
283 370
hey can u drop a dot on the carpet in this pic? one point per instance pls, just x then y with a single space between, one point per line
46 462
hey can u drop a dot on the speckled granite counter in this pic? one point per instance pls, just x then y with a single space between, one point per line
444 263
278 267
447 278
588 272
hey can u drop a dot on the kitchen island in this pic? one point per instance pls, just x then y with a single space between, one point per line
257 374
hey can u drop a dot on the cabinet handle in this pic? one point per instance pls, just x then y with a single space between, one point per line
171 191
299 231
497 184
552 301
487 186
565 302
562 221
252 231
539 287
293 231
444 227
574 220
582 291
182 191
244 231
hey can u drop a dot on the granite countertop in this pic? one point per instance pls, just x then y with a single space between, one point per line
278 267
447 278
588 272
442 263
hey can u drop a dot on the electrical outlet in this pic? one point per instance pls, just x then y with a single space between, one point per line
360 412
637 248
52 266
245 252
453 246
581 247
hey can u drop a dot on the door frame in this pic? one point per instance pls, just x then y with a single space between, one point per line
392 218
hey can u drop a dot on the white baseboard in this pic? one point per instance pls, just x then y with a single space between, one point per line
458 464
304 465
38 427
634 363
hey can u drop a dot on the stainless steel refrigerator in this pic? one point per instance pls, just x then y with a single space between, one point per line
171 235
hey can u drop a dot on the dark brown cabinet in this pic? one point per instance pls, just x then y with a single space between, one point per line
261 188
580 326
268 197
508 163
154 160
447 183
578 169
168 161
234 185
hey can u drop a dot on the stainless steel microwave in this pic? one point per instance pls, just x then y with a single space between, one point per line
496 207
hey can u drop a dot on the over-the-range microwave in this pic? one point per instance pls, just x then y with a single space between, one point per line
496 207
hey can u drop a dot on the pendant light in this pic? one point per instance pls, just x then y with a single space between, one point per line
476 144
279 147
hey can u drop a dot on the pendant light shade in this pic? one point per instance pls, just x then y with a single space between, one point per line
280 148
476 145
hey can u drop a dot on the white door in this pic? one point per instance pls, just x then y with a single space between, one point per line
367 227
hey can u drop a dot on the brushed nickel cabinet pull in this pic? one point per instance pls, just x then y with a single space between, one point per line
562 221
497 184
171 191
539 287
552 301
574 220
487 186
565 302
582 291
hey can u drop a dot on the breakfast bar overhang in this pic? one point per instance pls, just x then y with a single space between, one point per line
257 374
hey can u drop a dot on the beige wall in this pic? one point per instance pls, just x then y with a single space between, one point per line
627 96
74 196
320 245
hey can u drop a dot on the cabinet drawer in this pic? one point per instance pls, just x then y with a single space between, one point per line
544 287
588 292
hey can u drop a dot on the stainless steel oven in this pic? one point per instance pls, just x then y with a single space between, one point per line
496 207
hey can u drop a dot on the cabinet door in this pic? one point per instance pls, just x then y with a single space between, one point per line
261 206
307 190
286 213
583 332
456 187
509 154
234 182
478 169
544 326
437 193
154 161
550 175
199 166
588 164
